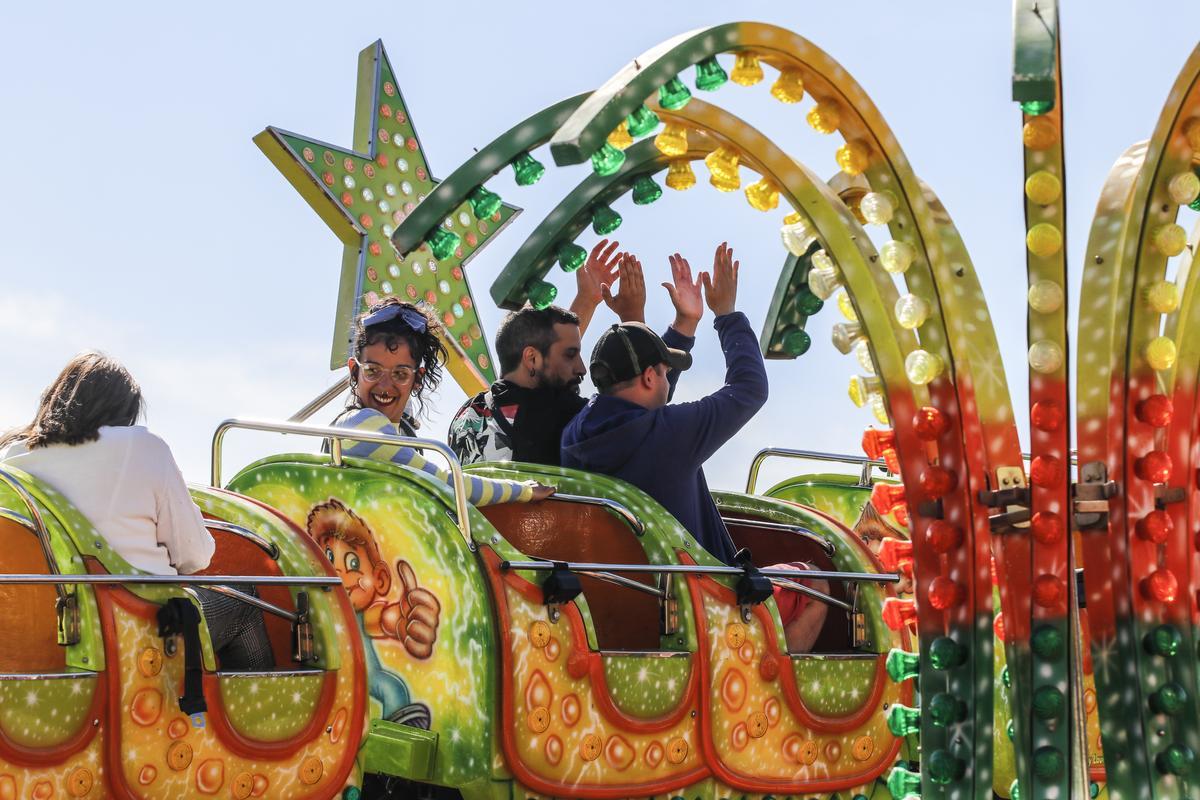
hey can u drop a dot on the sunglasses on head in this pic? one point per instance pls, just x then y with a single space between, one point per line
409 316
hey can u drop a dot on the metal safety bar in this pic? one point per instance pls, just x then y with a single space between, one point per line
171 580
321 400
335 437
620 510
37 525
260 541
813 593
689 569
823 541
865 463
629 582
257 602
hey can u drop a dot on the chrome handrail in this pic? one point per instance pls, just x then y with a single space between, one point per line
627 582
321 400
170 580
335 437
260 541
257 602
864 478
620 510
813 593
813 536
39 530
22 520
689 569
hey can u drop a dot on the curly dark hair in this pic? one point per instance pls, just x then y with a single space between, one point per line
427 347
92 390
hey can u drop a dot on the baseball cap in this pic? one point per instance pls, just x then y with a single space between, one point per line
625 350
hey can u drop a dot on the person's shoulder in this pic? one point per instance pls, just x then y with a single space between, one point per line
362 418
139 439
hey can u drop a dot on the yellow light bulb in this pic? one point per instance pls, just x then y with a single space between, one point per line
1043 188
824 282
896 256
1162 297
911 311
854 157
862 354
722 163
877 208
880 410
620 138
1045 356
821 260
922 366
1045 297
763 194
1043 240
825 116
789 86
746 69
797 236
1184 188
1160 353
1039 134
1191 130
1170 239
846 307
680 176
792 218
861 389
672 140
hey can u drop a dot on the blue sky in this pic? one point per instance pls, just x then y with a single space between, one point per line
140 219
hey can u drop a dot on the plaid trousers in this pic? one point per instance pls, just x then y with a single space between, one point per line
238 633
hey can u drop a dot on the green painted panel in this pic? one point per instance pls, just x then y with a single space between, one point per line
45 713
646 686
271 709
834 687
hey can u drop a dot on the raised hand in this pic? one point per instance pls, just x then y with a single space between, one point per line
629 303
685 296
600 270
720 288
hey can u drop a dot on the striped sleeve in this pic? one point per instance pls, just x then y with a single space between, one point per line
480 491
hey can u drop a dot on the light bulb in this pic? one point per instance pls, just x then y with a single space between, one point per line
862 354
763 194
876 208
911 311
846 307
854 157
620 138
861 389
1043 240
922 366
722 163
825 116
880 410
1184 188
672 140
896 256
1043 188
824 282
844 335
1039 134
789 86
1045 297
1045 356
797 236
1162 297
680 176
1160 353
746 69
1170 239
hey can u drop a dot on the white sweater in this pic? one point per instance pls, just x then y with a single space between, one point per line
128 486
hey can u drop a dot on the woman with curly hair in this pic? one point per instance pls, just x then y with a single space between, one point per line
397 355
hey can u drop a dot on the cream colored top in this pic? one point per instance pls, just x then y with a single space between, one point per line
128 486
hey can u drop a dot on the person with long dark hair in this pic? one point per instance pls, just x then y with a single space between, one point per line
396 358
84 442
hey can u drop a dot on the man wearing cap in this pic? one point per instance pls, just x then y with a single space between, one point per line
629 431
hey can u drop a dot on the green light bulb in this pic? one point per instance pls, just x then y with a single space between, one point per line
1177 759
351 793
902 665
710 75
541 293
570 256
483 202
1170 699
796 342
1048 762
945 653
1010 730
527 170
604 219
442 243
945 709
1006 677
1048 703
1047 643
673 95
903 721
902 782
1037 107
1164 640
641 121
945 768
808 303
1014 791
607 160
646 190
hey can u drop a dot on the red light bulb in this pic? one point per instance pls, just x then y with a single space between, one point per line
998 625
944 593
1045 471
1047 527
896 555
897 613
1161 585
937 482
1048 591
1046 415
901 515
929 423
942 537
886 496
1156 410
881 444
1155 527
1155 467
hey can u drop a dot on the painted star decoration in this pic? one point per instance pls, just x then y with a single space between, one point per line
362 194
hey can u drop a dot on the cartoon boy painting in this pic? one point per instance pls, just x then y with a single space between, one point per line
411 619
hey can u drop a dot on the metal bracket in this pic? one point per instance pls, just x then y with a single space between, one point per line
1091 495
858 621
1012 496
668 622
746 611
66 609
1165 495
302 631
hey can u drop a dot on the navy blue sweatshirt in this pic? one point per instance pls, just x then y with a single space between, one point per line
662 451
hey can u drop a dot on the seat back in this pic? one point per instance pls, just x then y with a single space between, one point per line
623 618
28 624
